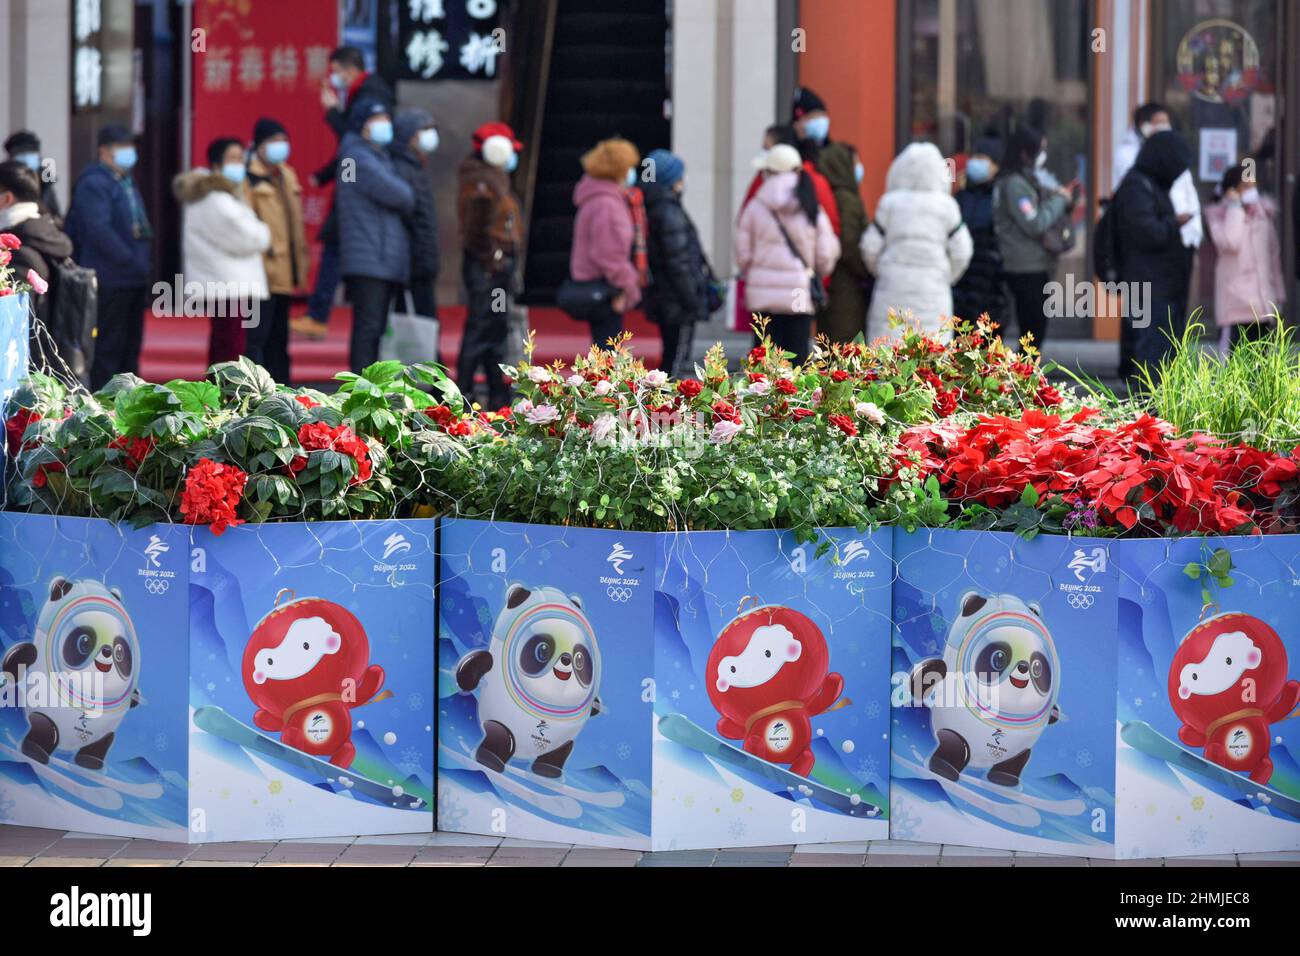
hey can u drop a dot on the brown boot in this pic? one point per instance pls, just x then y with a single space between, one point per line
308 328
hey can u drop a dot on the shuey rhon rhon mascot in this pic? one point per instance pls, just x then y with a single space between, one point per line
306 665
1227 683
994 690
538 682
87 655
768 674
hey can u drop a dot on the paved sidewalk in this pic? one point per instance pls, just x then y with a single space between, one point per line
28 846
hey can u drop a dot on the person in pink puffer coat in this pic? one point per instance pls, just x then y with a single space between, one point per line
777 282
1248 287
604 231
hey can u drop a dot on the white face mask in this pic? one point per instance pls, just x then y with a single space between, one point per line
1041 159
1148 130
1250 196
428 140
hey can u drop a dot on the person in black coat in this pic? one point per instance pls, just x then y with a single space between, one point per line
1150 249
414 140
348 84
43 245
677 296
980 288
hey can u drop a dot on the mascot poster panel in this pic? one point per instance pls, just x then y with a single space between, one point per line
772 689
545 683
312 680
92 700
1209 686
1004 692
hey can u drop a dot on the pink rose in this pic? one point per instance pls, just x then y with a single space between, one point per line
36 282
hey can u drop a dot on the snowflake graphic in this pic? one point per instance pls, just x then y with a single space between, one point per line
624 751
676 695
160 742
1197 836
415 701
873 708
275 820
903 824
1137 701
868 767
410 763
1083 758
452 814
736 828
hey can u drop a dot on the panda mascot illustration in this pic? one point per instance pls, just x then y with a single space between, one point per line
88 656
538 682
1227 683
994 690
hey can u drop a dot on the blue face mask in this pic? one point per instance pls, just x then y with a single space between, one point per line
817 128
512 163
277 152
338 82
978 170
125 157
631 176
235 172
31 160
858 172
381 132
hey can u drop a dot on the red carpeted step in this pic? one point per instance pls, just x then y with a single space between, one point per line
177 348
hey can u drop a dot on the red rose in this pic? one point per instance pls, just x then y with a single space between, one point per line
785 386
690 387
16 427
213 491
945 403
800 414
725 411
844 424
757 354
839 375
9 241
1048 396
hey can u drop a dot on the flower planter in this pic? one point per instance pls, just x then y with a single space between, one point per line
251 660
1110 621
14 345
625 744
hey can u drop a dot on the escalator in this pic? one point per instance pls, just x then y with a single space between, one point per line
606 75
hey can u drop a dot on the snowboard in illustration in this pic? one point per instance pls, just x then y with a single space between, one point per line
1140 735
217 722
683 731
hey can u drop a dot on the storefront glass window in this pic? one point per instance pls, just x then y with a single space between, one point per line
977 66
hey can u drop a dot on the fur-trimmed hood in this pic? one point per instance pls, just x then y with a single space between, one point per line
197 184
920 167
610 159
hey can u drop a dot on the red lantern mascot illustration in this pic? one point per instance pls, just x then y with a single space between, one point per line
305 667
768 673
1227 683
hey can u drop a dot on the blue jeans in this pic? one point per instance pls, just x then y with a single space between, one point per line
327 283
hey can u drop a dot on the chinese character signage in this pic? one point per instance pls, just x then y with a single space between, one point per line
444 40
87 55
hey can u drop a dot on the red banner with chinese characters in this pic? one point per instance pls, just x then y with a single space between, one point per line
254 59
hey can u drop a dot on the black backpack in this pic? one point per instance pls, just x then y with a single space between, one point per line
1105 245
72 314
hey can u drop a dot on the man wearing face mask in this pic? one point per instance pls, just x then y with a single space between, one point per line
1148 120
276 196
980 288
111 234
348 83
25 147
811 122
374 248
414 140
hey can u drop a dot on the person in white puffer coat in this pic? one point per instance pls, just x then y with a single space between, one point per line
917 246
222 242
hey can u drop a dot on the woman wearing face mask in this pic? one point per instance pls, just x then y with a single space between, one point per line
979 290
276 197
222 242
1248 287
373 200
1023 213
605 233
414 140
846 314
25 147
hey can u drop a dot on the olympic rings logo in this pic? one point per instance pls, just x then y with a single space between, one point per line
619 595
1080 601
156 585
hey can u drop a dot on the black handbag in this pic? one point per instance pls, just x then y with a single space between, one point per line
816 288
585 300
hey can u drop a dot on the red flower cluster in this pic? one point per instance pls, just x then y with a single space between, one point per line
844 424
134 449
318 436
726 412
1137 474
212 494
16 426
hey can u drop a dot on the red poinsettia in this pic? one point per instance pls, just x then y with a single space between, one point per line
319 436
213 491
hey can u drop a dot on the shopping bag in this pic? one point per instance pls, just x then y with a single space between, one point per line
410 337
